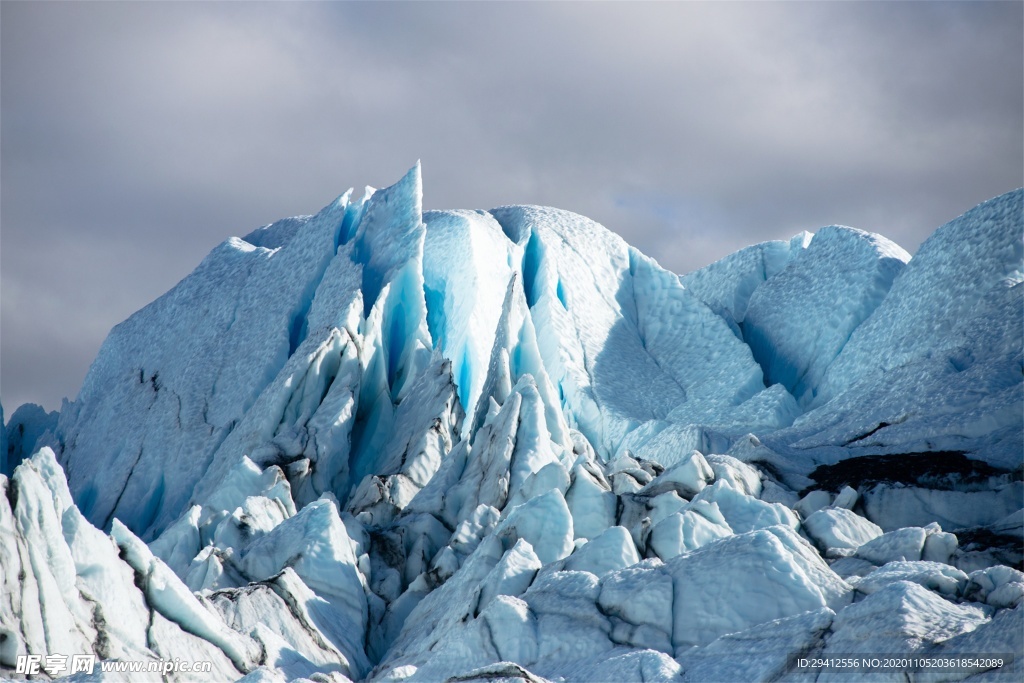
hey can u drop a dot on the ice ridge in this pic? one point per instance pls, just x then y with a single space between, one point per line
378 443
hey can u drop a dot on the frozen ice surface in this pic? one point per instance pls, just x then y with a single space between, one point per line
901 506
609 551
727 285
544 521
316 545
812 502
381 444
736 474
744 512
688 477
686 530
769 562
760 653
68 589
722 587
591 503
937 365
623 664
900 545
1000 586
286 612
901 618
840 529
943 287
466 269
936 576
172 599
999 635
797 322
29 429
172 381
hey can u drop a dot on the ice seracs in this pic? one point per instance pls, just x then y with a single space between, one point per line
836 283
379 443
935 367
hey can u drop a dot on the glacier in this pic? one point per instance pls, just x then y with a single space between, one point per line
387 444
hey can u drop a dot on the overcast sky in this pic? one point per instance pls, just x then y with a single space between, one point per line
135 137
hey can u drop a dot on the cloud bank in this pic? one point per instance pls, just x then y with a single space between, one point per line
135 137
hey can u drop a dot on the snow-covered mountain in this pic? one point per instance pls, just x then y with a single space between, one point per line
381 443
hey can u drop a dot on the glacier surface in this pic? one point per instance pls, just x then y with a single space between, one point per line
378 443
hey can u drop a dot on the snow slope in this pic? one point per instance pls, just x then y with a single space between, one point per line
377 443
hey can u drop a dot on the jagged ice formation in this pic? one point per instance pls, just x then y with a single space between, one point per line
387 444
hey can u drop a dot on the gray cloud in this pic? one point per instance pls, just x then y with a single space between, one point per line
135 137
